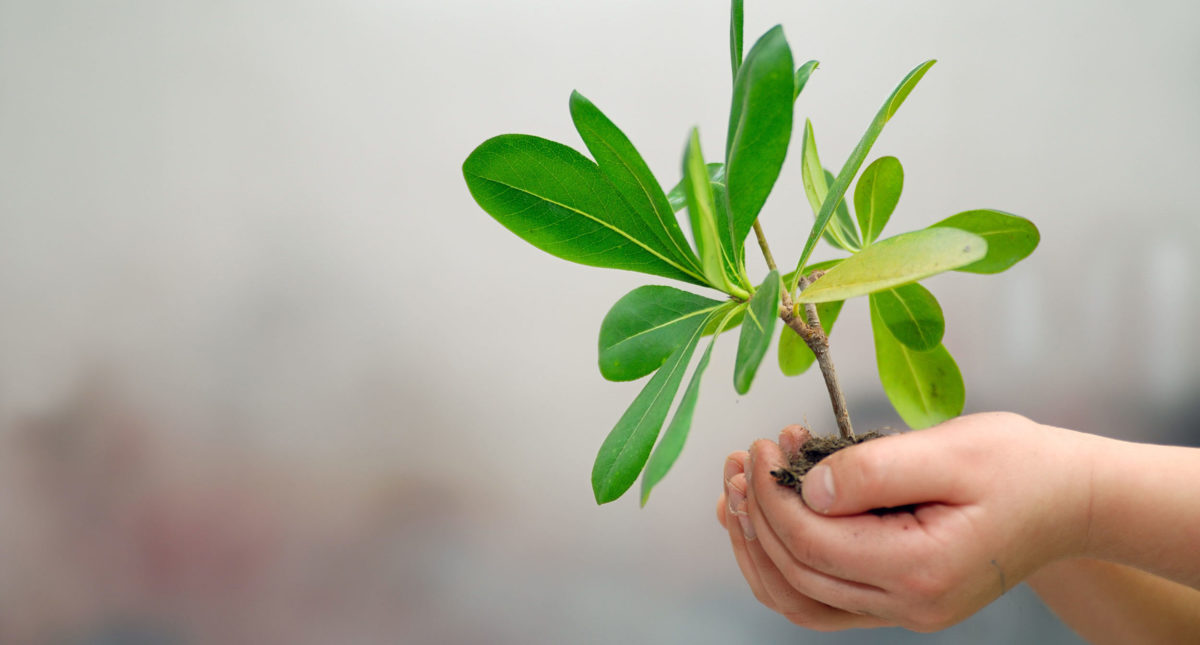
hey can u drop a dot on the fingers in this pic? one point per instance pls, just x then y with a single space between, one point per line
791 438
769 585
913 468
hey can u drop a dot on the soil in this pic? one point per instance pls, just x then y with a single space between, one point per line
818 448
813 451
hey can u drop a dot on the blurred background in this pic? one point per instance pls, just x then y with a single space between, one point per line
269 375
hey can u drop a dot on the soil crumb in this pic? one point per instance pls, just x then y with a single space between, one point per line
813 451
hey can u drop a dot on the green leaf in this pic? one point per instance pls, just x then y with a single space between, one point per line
760 127
876 195
816 187
794 355
736 19
802 75
645 326
817 266
895 261
625 450
625 169
677 198
1010 238
926 388
912 315
702 209
558 200
757 329
671 445
858 155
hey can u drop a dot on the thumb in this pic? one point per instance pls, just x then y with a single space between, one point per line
912 468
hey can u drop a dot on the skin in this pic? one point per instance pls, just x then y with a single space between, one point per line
999 500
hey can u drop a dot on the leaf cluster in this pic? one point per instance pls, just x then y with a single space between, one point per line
610 211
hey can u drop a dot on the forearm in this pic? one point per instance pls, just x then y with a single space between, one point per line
1111 603
1146 509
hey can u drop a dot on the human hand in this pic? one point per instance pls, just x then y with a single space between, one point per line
997 496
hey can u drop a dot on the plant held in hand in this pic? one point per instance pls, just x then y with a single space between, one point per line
610 211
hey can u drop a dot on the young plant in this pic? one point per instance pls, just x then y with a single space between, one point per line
610 211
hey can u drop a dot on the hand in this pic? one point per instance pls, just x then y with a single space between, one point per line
997 496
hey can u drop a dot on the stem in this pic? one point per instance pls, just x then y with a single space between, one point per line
762 244
814 336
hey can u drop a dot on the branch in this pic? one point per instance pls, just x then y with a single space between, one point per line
814 336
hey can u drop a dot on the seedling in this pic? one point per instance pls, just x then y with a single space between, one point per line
610 211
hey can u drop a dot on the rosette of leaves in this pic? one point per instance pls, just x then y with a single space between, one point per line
610 211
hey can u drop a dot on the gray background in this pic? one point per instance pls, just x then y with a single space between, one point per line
235 243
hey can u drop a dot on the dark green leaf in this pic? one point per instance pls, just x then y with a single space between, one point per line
757 329
794 355
838 190
707 231
624 452
926 388
1010 238
912 314
802 75
558 200
877 194
895 261
736 18
645 326
669 447
625 169
760 126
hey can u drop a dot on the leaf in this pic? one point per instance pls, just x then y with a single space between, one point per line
707 230
760 127
645 326
876 195
1010 238
912 315
677 198
736 19
859 154
926 388
625 169
818 266
558 200
794 355
671 445
801 78
625 450
840 233
757 329
895 261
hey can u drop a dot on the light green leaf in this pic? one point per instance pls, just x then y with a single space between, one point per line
817 266
912 315
858 155
677 198
1010 238
736 19
841 227
625 169
802 75
624 452
926 388
645 326
760 127
671 445
794 355
876 195
816 186
702 210
558 200
895 261
757 329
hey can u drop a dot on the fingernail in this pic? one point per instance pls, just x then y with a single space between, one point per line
818 489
